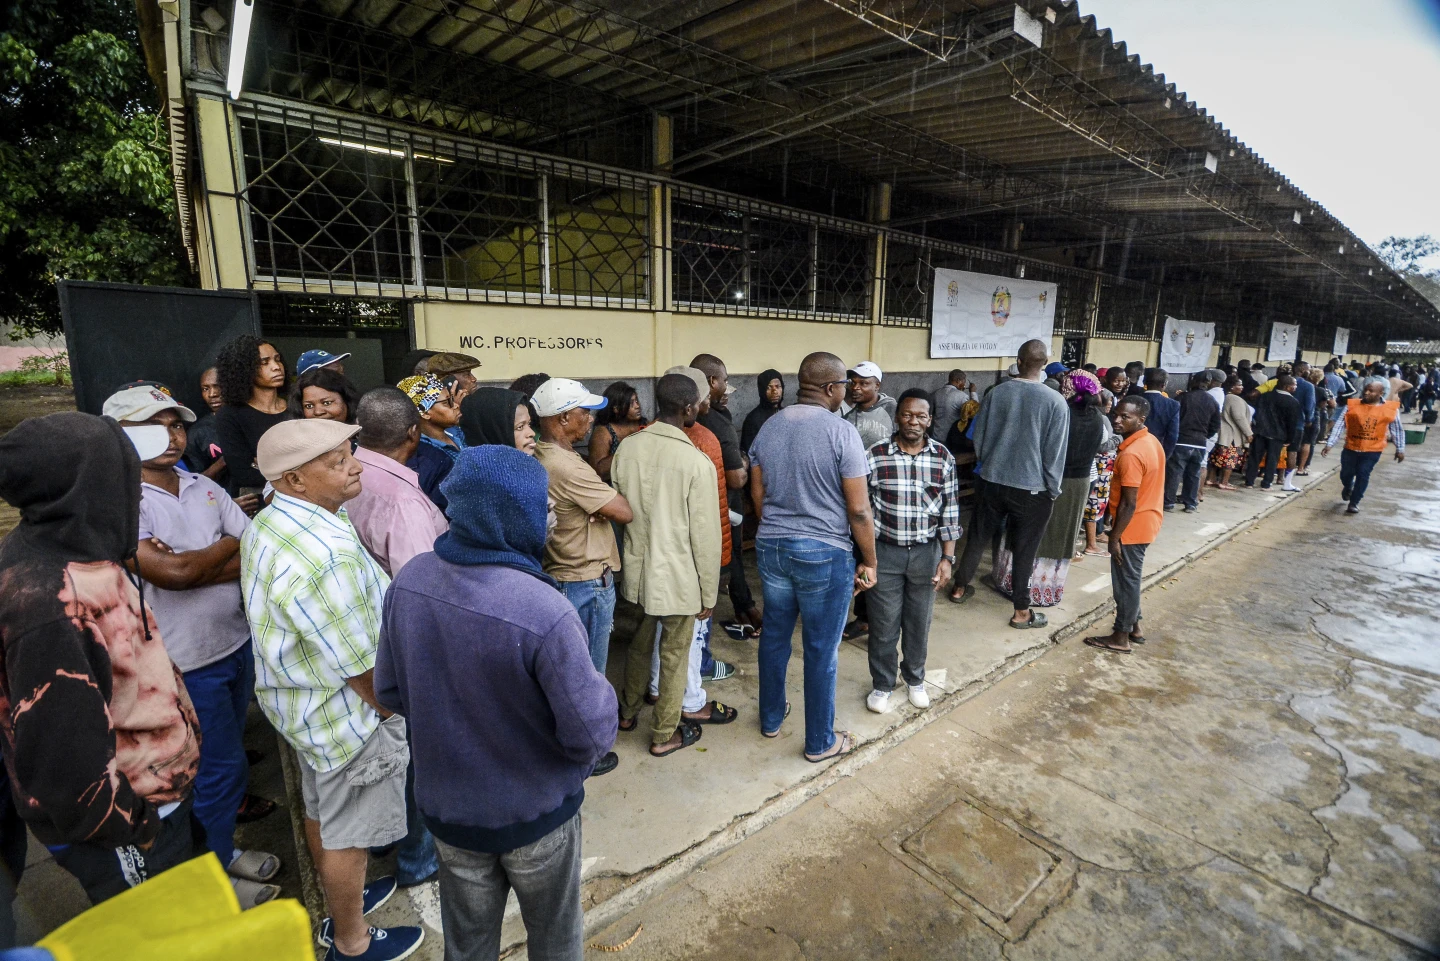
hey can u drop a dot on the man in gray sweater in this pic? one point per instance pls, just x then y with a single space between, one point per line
1020 437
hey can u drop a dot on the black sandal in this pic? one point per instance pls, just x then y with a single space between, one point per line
253 808
719 714
689 733
628 724
966 592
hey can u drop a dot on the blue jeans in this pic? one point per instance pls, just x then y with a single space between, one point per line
415 858
809 579
221 695
594 601
1355 468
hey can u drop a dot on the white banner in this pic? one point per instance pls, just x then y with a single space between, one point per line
1185 347
984 315
1342 341
1284 342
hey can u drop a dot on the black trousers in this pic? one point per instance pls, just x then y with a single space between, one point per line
107 871
1269 448
1025 515
740 598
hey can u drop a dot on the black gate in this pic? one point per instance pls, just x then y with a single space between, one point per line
121 332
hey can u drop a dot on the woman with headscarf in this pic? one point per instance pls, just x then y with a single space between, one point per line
771 388
494 415
1057 547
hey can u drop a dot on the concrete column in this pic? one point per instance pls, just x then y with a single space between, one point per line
879 214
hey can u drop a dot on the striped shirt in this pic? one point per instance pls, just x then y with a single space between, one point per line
313 597
915 497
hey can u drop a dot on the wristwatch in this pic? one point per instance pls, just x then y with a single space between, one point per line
948 557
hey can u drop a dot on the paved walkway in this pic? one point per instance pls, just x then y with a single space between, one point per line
1257 781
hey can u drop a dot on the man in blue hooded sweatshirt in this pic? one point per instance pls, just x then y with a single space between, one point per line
490 665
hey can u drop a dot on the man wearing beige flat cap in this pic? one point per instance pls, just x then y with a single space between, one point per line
313 597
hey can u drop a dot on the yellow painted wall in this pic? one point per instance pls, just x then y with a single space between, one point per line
223 257
1111 352
513 339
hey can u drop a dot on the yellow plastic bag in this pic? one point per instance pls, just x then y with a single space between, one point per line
189 913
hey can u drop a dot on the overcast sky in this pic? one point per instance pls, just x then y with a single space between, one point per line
1341 97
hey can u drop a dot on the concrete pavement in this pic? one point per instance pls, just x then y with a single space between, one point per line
1256 781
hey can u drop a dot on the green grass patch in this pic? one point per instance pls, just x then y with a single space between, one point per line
23 378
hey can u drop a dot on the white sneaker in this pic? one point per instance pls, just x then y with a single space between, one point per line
919 697
878 701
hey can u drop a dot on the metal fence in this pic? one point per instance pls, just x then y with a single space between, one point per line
737 256
350 207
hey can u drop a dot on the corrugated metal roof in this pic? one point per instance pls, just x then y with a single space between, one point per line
978 130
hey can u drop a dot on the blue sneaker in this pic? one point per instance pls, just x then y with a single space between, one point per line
386 944
377 892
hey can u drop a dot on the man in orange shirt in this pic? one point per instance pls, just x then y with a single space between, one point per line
1366 423
1137 499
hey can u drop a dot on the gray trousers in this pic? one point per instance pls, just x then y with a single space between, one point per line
901 603
546 879
1125 576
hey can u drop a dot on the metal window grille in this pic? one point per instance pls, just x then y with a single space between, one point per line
340 206
739 257
1127 311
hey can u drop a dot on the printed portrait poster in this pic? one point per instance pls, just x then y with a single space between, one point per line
1185 346
1284 342
985 315
1342 341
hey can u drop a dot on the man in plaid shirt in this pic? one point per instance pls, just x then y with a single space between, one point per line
916 499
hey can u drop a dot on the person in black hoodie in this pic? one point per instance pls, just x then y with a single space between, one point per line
1278 420
101 741
1199 421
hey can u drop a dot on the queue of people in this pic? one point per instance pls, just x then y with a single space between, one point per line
419 585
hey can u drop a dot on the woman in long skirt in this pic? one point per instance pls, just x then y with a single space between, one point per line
1099 499
1052 559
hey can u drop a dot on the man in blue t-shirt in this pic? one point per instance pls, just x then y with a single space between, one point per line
808 483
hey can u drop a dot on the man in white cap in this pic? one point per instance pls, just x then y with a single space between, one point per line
313 596
581 552
871 411
189 554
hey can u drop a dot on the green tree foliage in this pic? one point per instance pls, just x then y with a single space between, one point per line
85 187
1407 256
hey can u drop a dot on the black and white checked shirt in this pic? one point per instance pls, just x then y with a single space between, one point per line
915 497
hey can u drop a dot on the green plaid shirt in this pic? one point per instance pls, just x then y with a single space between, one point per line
313 597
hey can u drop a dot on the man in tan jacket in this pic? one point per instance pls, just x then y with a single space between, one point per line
671 558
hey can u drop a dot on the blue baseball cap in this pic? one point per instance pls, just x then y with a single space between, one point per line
1054 369
316 358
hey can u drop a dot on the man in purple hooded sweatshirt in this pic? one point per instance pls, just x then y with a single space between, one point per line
490 665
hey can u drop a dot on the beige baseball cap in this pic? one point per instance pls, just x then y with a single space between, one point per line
142 403
702 383
291 443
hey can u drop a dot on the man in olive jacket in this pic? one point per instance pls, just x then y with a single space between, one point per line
671 558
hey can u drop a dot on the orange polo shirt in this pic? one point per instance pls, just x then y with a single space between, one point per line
1140 463
709 445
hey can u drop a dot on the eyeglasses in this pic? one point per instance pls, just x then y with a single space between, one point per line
831 383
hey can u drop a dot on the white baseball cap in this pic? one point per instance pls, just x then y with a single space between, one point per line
143 403
558 394
866 368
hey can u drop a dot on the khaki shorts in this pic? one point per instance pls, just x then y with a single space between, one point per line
362 804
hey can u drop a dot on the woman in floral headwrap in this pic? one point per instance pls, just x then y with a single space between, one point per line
1052 559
